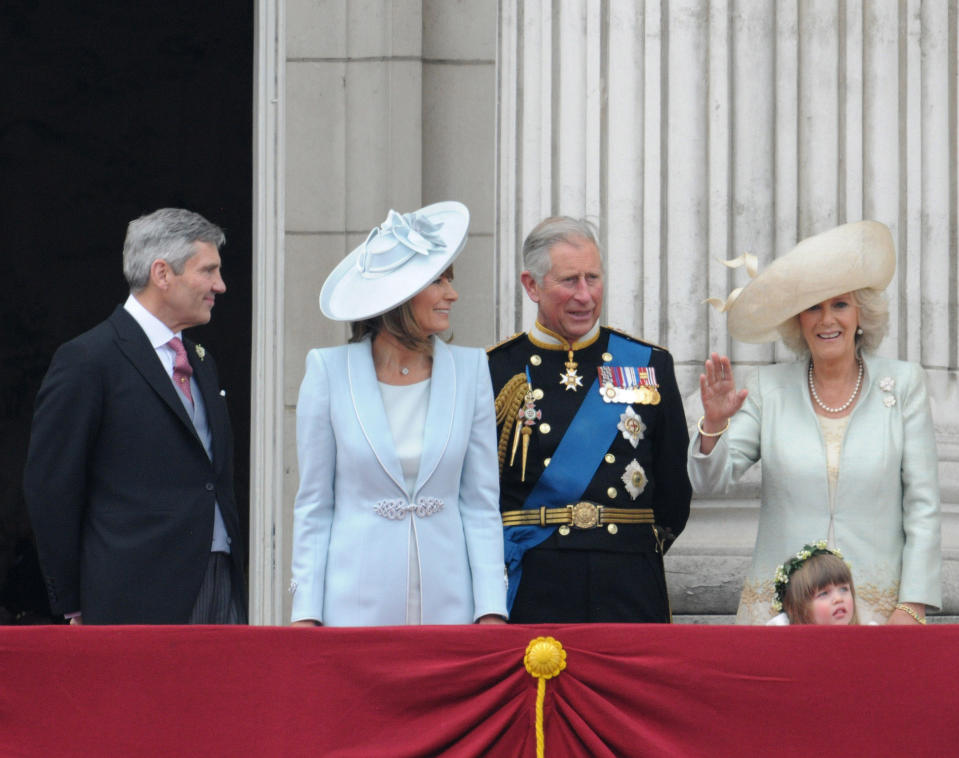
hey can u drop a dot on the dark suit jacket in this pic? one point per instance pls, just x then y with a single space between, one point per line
120 489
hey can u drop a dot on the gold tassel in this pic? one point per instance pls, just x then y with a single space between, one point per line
512 455
507 404
526 434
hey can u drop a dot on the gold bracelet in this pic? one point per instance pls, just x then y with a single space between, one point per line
699 426
906 609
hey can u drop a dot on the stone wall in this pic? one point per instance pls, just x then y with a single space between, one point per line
696 130
691 130
379 104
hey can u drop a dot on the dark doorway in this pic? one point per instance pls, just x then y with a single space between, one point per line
107 111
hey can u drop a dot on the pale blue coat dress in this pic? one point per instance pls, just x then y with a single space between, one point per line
886 518
353 519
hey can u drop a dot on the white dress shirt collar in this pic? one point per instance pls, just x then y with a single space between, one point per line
157 332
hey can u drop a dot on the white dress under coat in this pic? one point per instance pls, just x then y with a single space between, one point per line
352 517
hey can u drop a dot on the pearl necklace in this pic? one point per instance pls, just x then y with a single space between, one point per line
841 408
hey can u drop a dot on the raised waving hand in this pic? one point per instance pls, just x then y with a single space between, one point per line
721 400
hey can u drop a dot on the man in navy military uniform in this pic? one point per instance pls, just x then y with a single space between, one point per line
592 445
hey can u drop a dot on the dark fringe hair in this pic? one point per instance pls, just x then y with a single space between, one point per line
817 572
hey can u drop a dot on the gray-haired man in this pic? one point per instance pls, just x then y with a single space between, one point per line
593 439
129 476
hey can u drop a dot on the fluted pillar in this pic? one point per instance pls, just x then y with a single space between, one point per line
695 130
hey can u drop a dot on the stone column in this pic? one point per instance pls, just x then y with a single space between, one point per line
267 575
361 106
338 142
695 130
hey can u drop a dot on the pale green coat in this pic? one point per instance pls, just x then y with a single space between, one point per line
887 518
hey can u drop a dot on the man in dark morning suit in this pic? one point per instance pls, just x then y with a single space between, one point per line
592 445
129 475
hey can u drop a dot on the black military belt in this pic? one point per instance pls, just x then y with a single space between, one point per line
582 515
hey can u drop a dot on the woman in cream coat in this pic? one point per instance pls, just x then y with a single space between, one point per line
845 438
396 519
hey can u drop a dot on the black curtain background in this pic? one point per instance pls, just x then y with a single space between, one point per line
109 110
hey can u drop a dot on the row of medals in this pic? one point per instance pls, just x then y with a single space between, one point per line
642 395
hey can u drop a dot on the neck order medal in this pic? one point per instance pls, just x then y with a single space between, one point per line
571 379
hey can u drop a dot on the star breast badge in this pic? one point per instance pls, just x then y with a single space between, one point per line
634 478
631 425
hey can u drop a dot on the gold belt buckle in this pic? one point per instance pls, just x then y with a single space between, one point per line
585 515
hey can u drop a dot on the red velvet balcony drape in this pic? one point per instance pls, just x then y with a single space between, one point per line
627 690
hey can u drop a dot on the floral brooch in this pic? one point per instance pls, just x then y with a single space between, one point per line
887 384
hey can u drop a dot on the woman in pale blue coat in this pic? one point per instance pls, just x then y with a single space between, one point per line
845 438
396 520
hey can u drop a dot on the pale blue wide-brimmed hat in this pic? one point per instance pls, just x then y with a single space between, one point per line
398 260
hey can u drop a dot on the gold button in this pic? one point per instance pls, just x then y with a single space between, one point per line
607 357
610 458
564 529
611 492
612 528
544 428
546 462
537 394
535 360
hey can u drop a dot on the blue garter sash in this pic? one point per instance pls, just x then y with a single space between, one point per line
574 463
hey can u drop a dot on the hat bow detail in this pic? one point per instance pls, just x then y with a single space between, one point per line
400 237
751 263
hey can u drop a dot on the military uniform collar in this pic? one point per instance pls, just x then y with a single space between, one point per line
546 339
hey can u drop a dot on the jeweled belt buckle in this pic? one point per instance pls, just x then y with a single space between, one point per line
585 515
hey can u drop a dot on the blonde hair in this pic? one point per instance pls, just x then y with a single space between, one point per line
873 319
816 572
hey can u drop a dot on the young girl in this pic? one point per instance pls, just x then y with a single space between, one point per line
815 587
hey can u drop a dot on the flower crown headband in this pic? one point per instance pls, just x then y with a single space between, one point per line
788 568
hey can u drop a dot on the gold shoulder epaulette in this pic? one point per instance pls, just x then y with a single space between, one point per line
507 341
621 333
507 404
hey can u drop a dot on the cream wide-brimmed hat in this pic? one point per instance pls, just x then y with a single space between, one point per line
853 256
398 260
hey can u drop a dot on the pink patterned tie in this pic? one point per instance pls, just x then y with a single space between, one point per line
182 370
